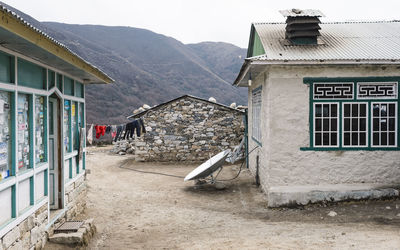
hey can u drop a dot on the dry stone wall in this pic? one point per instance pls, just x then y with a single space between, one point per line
187 129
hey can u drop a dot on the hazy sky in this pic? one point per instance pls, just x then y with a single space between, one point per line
192 21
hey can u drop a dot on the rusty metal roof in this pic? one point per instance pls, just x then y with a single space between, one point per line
355 41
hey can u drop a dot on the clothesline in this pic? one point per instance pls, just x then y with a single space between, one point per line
118 132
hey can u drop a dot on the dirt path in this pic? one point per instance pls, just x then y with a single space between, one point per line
135 210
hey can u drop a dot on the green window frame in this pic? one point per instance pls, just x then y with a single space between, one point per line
354 113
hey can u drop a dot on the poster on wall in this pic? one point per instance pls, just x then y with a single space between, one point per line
23 132
5 130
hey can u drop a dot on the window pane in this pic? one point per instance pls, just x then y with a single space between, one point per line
347 110
326 110
5 136
383 124
333 110
363 110
334 139
392 124
318 124
325 139
375 109
363 139
392 109
318 110
383 109
363 124
334 124
375 140
354 110
384 139
67 127
346 139
23 132
392 138
318 139
354 124
354 139
326 124
375 124
346 124
39 130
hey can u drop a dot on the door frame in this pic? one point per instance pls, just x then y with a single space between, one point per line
55 140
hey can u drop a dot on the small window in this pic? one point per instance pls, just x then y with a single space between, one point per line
256 114
326 118
355 125
384 124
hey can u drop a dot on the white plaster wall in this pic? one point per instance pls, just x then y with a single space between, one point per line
287 115
261 150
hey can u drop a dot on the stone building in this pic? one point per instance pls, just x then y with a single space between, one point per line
42 108
187 128
323 108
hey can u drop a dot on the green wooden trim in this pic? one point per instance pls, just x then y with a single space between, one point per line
70 126
13 201
256 47
70 168
84 161
310 81
7 68
31 75
45 118
31 191
31 131
46 182
13 134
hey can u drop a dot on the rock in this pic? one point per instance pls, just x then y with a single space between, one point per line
11 237
212 99
398 215
332 214
141 109
233 105
67 238
122 153
136 111
388 207
146 107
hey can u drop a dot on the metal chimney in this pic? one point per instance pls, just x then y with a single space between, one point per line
302 26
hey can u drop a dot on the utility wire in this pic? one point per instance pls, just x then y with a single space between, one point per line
150 172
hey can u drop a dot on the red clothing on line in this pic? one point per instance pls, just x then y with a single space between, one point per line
100 131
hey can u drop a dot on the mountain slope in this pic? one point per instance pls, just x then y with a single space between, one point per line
147 67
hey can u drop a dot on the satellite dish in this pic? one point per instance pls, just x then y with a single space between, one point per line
208 167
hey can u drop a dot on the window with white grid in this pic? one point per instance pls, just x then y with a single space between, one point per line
326 118
354 131
384 124
256 114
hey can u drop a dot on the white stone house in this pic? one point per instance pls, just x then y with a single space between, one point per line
42 108
323 108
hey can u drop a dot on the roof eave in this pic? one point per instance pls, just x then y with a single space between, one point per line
12 24
249 62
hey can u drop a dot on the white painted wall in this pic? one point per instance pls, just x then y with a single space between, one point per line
24 194
5 205
39 186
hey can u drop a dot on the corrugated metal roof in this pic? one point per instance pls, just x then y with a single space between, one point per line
4 8
355 41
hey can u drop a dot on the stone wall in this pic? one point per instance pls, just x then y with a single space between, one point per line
29 234
32 232
186 129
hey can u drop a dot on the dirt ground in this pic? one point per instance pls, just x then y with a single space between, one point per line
135 210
